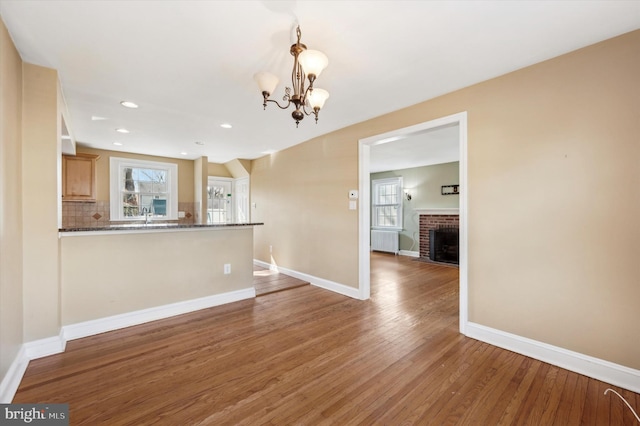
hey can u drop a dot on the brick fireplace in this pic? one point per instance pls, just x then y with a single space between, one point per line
434 219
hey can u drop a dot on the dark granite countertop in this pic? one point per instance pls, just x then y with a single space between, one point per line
155 226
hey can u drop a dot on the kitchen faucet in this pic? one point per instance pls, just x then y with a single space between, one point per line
147 215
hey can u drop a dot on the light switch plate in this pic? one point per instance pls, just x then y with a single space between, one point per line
352 205
353 194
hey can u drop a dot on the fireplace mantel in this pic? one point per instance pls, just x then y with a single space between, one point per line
449 211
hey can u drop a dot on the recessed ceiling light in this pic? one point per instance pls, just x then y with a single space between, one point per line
183 153
117 143
65 137
96 118
269 151
199 143
122 131
226 126
129 104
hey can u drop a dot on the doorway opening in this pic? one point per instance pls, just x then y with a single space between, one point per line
364 152
219 195
228 200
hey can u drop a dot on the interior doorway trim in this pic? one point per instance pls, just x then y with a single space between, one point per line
364 149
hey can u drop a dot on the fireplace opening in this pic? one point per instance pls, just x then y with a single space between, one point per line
443 245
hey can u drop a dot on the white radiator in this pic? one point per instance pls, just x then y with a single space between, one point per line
385 241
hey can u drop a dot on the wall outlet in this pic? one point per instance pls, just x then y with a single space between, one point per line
270 249
227 268
180 215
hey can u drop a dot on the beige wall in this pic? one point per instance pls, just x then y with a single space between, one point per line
105 275
302 195
11 313
238 168
424 185
41 171
185 171
553 177
556 260
218 170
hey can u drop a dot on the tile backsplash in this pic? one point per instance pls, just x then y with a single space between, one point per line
96 214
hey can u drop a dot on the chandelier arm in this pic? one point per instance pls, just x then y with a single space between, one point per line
304 99
278 104
304 109
315 111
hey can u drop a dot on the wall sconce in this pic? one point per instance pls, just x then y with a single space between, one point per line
450 190
407 195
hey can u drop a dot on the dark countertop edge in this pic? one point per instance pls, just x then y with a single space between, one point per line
158 228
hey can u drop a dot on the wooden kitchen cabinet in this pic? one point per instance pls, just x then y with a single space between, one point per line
79 177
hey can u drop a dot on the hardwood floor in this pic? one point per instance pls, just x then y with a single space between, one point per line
266 281
307 356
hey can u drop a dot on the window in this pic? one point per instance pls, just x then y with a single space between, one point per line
386 204
139 187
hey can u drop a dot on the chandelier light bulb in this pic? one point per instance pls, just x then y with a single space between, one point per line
267 82
313 62
317 98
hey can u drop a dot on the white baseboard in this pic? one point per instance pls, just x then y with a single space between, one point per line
54 345
45 347
28 351
266 265
615 374
116 322
12 379
409 253
313 280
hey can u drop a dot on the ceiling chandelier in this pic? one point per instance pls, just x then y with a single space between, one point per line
307 64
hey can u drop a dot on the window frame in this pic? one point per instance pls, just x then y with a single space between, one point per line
116 170
375 184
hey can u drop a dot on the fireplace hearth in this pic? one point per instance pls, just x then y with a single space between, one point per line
444 244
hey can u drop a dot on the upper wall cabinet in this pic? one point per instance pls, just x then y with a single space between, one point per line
79 177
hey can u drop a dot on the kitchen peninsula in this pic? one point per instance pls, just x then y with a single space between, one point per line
120 275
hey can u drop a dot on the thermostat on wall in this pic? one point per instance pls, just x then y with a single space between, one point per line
353 194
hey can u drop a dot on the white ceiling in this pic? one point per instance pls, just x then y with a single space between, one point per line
189 64
424 148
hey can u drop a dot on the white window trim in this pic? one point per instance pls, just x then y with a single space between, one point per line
375 182
116 164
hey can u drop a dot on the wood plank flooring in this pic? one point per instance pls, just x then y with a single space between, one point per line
266 281
307 356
